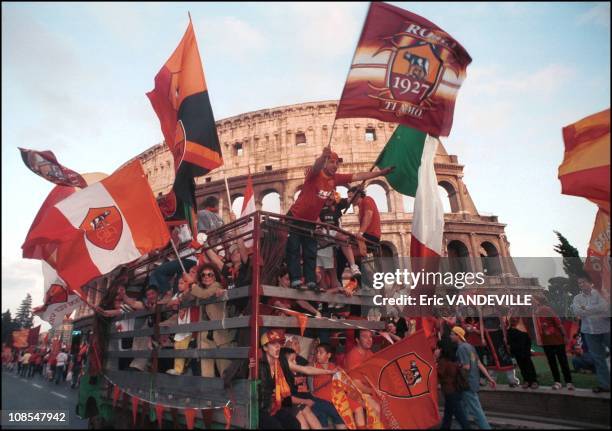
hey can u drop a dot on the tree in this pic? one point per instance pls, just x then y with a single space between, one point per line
24 317
8 326
561 290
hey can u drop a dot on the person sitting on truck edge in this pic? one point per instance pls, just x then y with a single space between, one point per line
208 218
184 315
320 182
221 338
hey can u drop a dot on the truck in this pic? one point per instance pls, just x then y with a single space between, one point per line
106 395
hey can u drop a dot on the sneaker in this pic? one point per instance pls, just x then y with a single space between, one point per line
172 371
599 389
311 286
534 385
570 386
556 386
355 270
525 385
296 284
513 385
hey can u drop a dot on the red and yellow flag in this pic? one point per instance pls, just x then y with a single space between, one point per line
598 255
20 338
585 170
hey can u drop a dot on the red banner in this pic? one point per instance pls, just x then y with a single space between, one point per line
20 338
405 380
405 70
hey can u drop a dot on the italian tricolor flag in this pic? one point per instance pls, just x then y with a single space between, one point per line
412 153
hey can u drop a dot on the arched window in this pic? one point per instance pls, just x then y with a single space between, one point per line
296 194
237 204
490 259
408 203
344 194
271 202
444 198
458 257
378 193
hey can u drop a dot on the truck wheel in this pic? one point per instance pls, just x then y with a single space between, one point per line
96 423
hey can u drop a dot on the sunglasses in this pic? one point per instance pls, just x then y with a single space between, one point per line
208 274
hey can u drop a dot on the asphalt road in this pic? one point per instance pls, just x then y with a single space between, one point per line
39 395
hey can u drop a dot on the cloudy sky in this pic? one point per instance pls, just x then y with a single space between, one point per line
75 76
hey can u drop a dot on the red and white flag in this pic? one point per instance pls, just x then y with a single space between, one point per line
59 301
109 223
248 207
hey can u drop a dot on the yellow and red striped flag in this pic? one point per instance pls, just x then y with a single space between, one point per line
585 170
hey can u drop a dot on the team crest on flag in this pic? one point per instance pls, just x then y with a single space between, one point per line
103 227
405 377
414 71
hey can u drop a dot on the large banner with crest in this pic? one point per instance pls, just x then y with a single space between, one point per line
405 70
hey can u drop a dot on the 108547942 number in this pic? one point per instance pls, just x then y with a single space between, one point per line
32 417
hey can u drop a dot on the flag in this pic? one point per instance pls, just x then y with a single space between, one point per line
58 300
20 338
405 70
412 153
46 251
180 100
585 170
248 207
33 336
404 377
46 165
109 223
597 263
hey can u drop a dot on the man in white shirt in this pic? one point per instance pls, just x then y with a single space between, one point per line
594 312
62 358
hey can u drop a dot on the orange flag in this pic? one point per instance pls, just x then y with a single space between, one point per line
190 418
301 318
135 401
404 376
585 170
159 413
116 393
20 338
598 254
227 412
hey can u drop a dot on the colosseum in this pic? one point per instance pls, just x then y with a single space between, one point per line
275 146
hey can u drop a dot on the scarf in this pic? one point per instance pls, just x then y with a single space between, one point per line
281 389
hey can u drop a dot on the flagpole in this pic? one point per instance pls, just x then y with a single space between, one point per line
177 256
347 76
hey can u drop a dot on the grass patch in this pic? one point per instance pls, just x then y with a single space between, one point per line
584 381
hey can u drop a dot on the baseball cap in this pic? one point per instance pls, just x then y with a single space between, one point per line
272 336
460 332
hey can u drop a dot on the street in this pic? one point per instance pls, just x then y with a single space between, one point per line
39 395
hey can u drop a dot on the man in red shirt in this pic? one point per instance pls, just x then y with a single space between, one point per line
369 216
357 356
320 182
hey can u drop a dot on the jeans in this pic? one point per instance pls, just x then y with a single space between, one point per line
527 368
597 348
162 275
453 406
324 410
308 246
471 405
59 373
554 353
583 362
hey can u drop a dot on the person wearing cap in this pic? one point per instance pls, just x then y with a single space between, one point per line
320 182
466 354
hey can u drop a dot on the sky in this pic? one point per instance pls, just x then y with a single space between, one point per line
75 76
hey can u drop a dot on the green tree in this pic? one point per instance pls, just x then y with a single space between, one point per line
8 326
24 317
561 290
